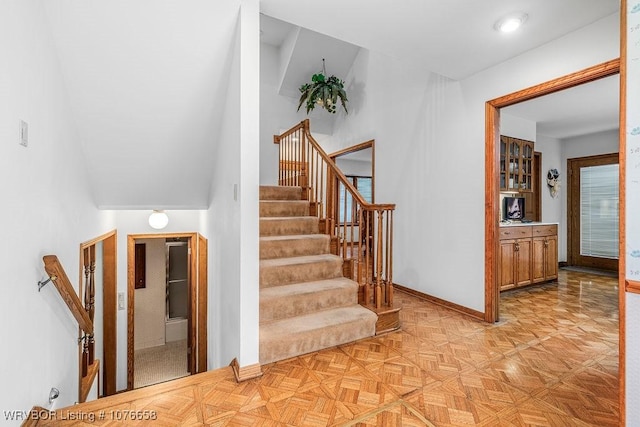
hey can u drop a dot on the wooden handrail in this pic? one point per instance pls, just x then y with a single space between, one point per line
58 276
363 234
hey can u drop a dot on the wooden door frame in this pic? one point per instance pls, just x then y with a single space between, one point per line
109 307
359 147
198 302
537 193
492 158
573 206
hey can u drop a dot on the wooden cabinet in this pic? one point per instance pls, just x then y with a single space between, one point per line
528 254
516 164
515 257
545 253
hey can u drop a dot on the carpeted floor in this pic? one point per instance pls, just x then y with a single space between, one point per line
158 364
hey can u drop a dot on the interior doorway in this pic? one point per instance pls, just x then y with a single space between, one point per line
492 156
167 307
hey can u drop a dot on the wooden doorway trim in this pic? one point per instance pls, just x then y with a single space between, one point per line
492 186
359 147
109 307
197 332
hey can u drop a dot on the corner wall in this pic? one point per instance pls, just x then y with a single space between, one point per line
232 219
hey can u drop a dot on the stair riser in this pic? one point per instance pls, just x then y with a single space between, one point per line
293 248
288 227
283 208
295 344
280 193
296 305
296 273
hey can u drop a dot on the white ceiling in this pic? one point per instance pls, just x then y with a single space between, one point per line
588 108
454 38
145 77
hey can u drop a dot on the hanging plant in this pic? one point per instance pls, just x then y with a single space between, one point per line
324 92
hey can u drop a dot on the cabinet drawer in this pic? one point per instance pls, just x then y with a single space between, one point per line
545 230
515 232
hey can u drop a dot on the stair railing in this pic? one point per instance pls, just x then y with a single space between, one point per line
84 315
361 232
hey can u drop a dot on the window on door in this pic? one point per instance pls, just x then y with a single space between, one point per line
599 211
363 185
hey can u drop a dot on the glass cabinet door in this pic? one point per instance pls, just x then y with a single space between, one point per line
516 164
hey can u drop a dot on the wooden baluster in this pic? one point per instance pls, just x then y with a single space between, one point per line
367 260
389 258
85 356
85 347
92 293
378 291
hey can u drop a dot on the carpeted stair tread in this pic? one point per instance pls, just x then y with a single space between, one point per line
293 245
292 337
281 302
283 226
284 208
284 271
279 192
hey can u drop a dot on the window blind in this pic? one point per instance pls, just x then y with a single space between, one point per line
599 211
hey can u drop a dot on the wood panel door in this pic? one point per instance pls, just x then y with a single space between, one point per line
576 252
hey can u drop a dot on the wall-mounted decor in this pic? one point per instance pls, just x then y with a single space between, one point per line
324 92
553 182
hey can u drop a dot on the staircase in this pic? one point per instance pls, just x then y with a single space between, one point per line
305 302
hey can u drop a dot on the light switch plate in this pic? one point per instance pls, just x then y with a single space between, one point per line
24 133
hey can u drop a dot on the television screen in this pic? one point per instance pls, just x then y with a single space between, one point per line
514 208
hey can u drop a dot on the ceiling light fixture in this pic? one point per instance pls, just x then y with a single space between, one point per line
158 220
510 23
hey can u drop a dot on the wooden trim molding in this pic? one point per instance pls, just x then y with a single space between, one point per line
632 286
109 311
622 285
245 373
443 303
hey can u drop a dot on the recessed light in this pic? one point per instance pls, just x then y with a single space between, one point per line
510 23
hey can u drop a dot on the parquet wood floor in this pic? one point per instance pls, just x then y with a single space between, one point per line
552 360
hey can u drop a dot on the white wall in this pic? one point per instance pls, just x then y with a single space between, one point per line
276 113
552 209
517 127
429 135
149 314
47 209
354 167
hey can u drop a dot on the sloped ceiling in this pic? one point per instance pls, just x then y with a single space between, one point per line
146 81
